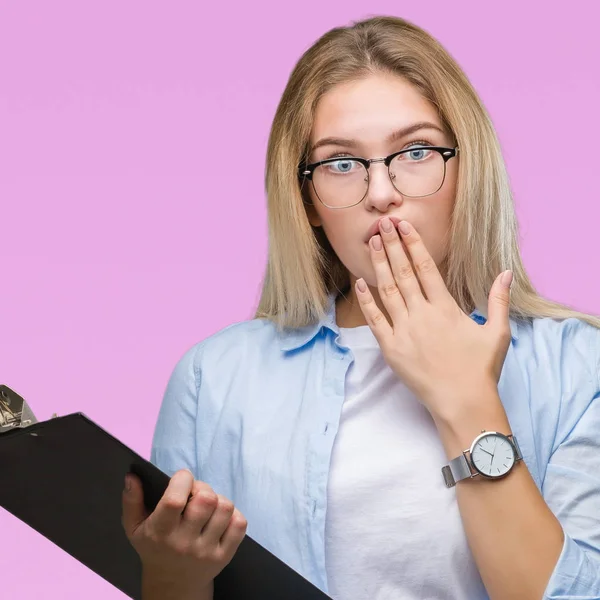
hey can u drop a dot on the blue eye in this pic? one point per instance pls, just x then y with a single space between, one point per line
418 153
341 166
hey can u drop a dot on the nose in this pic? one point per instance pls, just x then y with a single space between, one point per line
381 195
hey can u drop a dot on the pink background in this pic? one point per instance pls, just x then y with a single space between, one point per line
125 239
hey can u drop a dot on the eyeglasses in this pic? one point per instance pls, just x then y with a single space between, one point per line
343 181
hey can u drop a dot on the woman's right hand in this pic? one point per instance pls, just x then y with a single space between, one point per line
183 544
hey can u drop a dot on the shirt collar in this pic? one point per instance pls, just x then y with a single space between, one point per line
480 318
293 339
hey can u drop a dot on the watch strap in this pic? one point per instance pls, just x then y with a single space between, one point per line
518 454
459 468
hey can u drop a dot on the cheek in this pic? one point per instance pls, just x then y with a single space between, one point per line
345 238
433 223
347 243
338 232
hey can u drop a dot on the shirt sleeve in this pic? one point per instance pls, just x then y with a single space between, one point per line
174 440
572 491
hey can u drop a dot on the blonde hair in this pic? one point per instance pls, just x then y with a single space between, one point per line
302 269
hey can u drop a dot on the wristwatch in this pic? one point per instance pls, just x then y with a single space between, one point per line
491 455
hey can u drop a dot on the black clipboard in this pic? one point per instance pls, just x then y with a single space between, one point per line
64 478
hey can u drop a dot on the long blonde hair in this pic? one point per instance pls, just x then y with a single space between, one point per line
302 269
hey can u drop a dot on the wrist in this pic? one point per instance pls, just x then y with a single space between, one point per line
459 426
162 586
453 404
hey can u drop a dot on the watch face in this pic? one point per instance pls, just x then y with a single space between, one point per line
493 455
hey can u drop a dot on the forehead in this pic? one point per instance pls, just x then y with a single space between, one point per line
369 108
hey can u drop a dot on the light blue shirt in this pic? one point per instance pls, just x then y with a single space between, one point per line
254 413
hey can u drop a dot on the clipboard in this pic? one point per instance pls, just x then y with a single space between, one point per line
64 478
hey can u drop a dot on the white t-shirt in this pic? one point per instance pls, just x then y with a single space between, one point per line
393 530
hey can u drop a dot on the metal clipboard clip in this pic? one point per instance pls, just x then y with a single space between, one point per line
14 411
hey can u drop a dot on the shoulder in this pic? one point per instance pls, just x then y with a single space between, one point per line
559 361
231 347
571 344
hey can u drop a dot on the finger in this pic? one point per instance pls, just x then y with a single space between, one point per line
168 513
424 266
375 319
386 284
234 534
218 522
134 512
199 508
499 304
402 271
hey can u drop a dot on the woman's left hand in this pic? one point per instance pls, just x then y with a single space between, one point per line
437 350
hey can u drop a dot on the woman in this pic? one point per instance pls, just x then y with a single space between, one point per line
388 340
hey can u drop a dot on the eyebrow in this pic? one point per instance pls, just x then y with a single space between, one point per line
393 137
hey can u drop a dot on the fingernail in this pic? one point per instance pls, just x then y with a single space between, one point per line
507 278
127 483
404 227
362 286
377 243
386 224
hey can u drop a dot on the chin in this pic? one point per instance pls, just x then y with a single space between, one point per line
367 274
